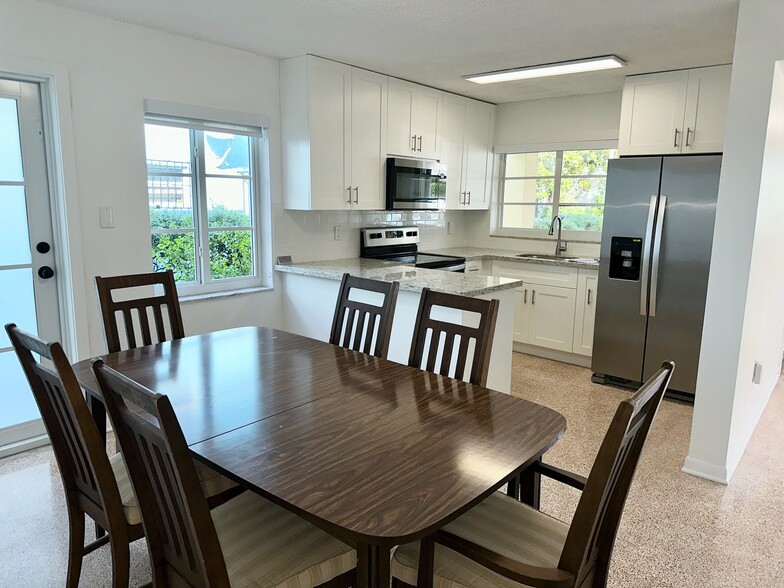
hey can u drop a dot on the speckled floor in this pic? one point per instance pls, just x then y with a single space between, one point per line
677 530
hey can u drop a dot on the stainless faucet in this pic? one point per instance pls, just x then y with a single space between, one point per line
560 244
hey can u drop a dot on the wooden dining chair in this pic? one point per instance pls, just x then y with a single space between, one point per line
136 319
503 542
248 541
451 340
90 477
358 325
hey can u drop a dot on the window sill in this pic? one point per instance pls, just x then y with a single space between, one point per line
224 294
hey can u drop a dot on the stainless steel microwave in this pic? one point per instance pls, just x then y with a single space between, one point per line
415 184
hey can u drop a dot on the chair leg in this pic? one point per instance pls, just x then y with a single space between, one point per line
121 562
75 546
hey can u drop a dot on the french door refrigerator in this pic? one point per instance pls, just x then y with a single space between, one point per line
653 274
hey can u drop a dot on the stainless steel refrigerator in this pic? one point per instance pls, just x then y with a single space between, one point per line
653 274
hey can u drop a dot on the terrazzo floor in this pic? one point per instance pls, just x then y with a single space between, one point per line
677 530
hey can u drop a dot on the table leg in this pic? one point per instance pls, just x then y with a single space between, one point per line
513 487
98 412
373 566
530 486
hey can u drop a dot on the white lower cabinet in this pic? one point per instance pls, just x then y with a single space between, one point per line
585 312
558 317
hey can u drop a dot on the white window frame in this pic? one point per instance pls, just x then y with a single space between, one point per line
500 231
197 121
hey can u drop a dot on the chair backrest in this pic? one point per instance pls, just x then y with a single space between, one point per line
451 341
182 540
77 444
135 313
361 325
591 536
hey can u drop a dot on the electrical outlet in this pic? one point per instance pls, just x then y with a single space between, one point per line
757 376
338 233
450 227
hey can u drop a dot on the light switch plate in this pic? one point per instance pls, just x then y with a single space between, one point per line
450 228
106 216
338 233
757 377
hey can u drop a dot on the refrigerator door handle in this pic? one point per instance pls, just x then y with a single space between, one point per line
657 253
646 248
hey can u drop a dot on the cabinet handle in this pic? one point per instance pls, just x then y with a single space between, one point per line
420 143
413 143
533 297
356 192
689 132
675 142
349 194
525 296
469 198
589 296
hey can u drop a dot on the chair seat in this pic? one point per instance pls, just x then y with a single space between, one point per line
266 546
212 483
499 523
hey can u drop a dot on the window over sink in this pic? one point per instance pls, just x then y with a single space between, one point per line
536 187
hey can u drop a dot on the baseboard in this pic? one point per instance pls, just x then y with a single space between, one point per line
562 356
703 469
24 445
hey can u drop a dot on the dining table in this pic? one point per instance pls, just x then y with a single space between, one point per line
374 452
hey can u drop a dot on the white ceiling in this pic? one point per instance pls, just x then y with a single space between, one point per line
437 41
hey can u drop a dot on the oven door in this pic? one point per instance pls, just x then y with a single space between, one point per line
415 184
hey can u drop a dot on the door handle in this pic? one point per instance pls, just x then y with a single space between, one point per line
533 297
589 297
657 253
646 245
356 194
349 194
45 272
675 142
413 143
420 143
688 133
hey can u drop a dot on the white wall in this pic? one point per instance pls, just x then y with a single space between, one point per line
112 68
533 125
744 314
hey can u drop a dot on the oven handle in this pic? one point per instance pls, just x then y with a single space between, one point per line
458 267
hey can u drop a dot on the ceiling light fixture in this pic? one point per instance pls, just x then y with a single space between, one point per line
548 69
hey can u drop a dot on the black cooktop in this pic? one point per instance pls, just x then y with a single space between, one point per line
426 260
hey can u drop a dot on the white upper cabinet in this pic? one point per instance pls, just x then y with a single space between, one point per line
333 127
674 112
413 120
466 149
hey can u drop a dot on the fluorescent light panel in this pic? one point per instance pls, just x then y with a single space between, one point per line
548 69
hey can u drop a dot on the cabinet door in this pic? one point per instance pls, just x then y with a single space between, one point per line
400 138
368 106
476 148
652 114
329 97
551 317
585 313
425 121
522 317
706 109
452 149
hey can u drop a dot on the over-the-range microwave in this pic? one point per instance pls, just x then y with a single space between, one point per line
415 184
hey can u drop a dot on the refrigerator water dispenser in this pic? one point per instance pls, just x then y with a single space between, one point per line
625 258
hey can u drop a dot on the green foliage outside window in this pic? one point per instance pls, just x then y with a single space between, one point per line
231 252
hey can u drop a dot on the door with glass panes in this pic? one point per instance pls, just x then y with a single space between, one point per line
28 273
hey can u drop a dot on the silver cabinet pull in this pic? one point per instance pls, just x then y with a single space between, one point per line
469 198
657 253
675 142
525 296
349 194
356 193
646 260
689 132
413 142
462 197
589 297
533 297
420 143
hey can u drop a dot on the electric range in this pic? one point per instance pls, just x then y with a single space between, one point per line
400 244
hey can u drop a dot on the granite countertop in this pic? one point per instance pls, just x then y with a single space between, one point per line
412 279
473 253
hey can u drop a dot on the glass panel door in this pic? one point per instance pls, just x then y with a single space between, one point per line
28 274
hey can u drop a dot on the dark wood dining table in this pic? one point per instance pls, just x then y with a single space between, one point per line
374 452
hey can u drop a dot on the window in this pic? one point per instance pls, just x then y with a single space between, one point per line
202 190
539 186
